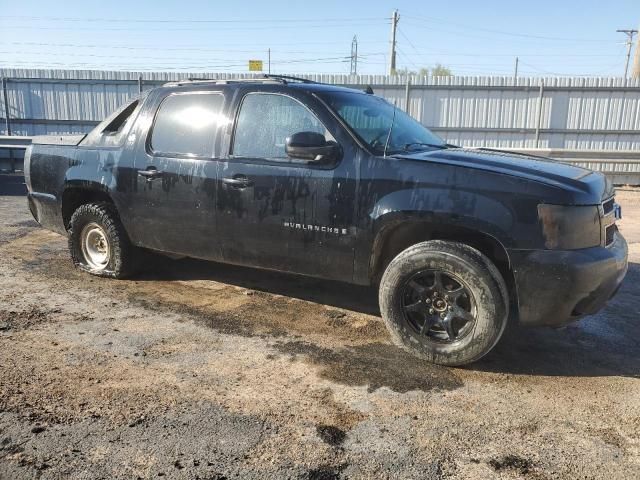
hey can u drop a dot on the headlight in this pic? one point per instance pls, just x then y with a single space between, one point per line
567 227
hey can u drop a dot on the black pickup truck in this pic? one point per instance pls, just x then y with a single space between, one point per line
291 175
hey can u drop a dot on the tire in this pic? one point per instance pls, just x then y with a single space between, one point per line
444 302
98 242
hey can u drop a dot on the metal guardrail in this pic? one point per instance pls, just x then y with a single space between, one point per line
502 111
14 142
14 145
622 166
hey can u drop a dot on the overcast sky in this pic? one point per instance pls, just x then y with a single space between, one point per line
569 37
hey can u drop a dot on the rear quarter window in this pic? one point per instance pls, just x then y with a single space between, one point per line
112 131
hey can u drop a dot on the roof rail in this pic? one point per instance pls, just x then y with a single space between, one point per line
266 78
286 78
219 81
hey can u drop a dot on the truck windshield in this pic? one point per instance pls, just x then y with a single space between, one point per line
372 117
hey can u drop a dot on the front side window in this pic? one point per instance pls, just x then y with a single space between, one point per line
266 120
186 124
371 118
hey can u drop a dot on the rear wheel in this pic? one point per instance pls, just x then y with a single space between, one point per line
98 242
444 301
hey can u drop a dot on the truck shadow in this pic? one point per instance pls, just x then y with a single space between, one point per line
336 294
607 344
12 185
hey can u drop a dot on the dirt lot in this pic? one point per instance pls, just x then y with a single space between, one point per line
199 370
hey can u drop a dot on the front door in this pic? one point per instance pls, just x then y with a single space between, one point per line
279 213
176 177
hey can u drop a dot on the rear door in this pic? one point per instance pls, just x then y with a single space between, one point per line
279 213
174 202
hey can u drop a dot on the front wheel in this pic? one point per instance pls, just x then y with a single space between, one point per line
444 301
98 242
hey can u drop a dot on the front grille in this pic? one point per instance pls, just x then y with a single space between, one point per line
610 234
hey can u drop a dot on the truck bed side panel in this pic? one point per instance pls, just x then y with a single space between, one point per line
47 168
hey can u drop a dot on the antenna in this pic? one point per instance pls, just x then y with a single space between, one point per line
393 121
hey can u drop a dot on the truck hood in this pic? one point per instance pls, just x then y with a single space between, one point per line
591 187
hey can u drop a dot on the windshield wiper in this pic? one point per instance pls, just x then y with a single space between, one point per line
407 146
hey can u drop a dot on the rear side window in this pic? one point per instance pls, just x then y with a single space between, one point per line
266 120
186 124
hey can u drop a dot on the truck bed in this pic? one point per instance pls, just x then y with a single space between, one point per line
57 139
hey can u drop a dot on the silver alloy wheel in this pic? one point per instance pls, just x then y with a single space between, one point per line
95 246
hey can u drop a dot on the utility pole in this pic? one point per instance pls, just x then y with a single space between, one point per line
629 34
269 61
392 57
515 72
354 56
635 73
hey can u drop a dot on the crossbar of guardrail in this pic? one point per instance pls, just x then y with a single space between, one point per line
13 143
622 166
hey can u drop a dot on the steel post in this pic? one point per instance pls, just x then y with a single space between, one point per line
7 121
539 119
407 92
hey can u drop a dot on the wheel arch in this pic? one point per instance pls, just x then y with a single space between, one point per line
75 195
399 235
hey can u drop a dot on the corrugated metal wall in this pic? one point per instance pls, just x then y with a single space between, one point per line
573 113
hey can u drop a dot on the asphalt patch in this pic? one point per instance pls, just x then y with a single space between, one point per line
25 223
512 462
325 472
13 320
330 434
375 365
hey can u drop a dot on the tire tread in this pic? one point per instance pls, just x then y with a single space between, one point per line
123 262
479 265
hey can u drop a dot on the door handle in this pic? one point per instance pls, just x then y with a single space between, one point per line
150 173
239 181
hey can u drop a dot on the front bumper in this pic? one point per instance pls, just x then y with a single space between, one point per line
555 287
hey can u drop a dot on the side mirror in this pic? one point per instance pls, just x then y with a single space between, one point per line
311 146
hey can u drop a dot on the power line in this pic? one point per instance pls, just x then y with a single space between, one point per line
407 58
261 47
407 39
185 48
501 32
470 34
144 57
189 29
411 57
412 46
541 70
327 60
241 21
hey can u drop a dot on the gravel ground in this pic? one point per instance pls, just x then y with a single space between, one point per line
200 370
